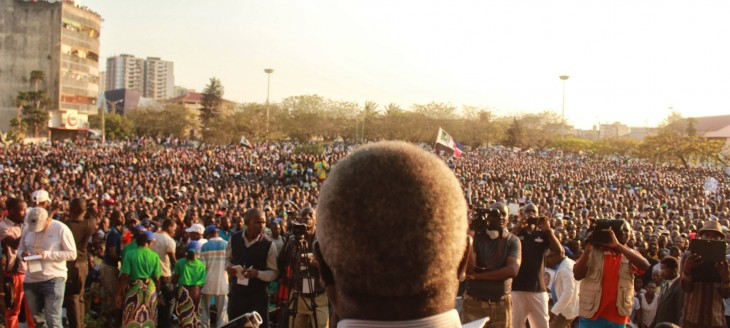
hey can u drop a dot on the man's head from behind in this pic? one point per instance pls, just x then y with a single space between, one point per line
392 231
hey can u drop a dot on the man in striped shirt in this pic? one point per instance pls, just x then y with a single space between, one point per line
213 255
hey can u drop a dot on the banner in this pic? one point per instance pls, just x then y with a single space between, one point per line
447 144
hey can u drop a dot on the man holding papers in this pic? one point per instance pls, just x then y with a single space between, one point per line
46 246
251 265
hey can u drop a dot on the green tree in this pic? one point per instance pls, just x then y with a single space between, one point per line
369 113
623 149
691 126
436 111
515 135
33 105
211 102
173 120
572 145
117 126
306 117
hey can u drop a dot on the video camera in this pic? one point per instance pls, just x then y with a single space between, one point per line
481 217
298 230
599 226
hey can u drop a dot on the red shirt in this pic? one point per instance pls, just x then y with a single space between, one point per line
608 309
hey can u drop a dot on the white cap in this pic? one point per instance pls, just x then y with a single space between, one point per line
196 228
36 218
40 196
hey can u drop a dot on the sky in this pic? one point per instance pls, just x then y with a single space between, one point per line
628 61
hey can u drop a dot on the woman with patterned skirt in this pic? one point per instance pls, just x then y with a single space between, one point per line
140 276
189 276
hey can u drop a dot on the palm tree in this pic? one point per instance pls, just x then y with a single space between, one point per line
36 77
369 110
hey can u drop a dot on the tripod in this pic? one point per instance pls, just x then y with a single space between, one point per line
300 273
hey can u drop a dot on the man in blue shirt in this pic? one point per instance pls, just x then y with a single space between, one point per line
110 265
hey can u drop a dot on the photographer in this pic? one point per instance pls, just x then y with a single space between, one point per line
307 288
528 288
703 291
606 271
493 263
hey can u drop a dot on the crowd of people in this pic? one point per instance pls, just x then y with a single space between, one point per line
148 233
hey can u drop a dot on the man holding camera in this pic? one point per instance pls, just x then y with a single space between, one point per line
705 284
494 261
312 304
528 288
606 271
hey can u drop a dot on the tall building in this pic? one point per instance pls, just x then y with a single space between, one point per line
159 81
125 72
152 77
59 39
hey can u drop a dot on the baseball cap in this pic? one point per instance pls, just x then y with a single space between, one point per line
211 228
196 228
193 246
149 235
139 228
40 196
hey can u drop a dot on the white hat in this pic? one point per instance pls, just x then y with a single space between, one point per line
196 228
36 218
40 196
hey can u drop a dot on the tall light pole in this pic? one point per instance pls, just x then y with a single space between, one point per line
268 72
113 105
562 125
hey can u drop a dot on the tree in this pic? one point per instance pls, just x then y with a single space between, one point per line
572 145
369 111
173 120
33 106
691 126
211 101
670 146
623 149
116 126
514 137
436 111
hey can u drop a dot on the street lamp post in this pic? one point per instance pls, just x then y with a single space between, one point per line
113 105
268 72
562 125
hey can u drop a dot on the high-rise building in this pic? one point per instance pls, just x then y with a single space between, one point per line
125 72
152 77
159 81
60 39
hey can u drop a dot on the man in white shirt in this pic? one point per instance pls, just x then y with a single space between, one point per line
566 290
213 254
164 246
46 246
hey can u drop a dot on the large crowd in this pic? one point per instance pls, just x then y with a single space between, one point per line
168 200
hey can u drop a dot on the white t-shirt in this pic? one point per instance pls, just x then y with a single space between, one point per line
164 244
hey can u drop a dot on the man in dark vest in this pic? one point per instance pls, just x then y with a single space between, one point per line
251 265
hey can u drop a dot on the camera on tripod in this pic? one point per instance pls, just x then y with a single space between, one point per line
599 229
482 216
299 230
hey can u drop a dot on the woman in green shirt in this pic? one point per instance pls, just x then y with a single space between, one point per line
189 276
140 276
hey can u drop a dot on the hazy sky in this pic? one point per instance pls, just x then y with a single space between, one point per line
628 61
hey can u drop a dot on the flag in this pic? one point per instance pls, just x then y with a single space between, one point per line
447 144
245 142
